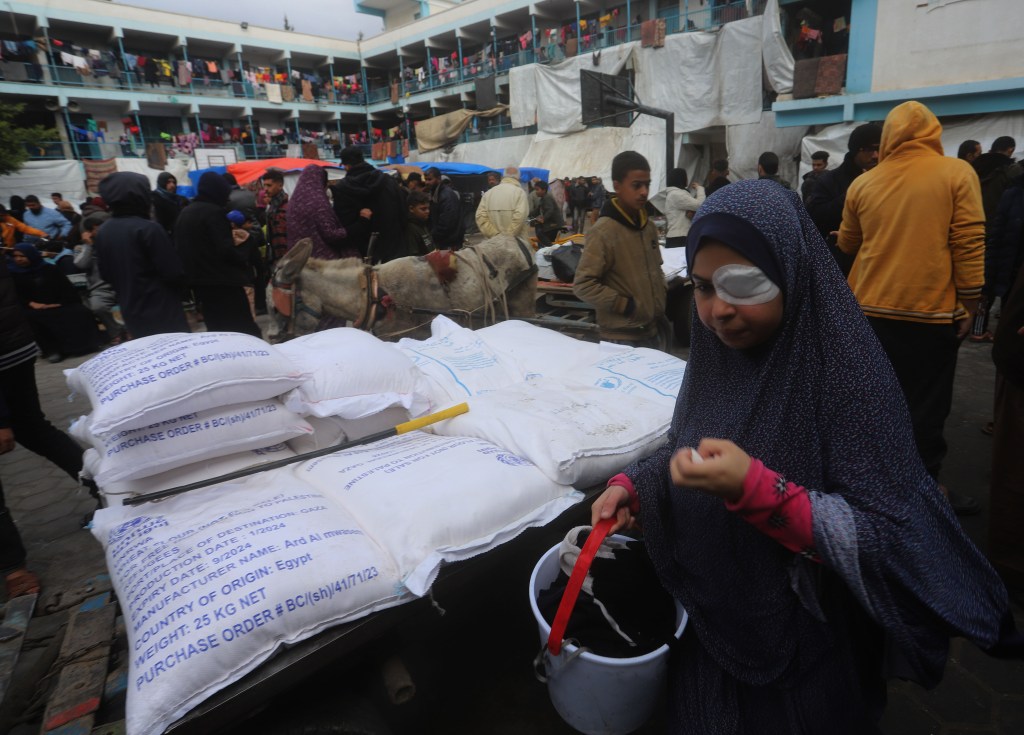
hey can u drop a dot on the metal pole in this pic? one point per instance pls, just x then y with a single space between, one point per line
138 124
241 76
429 67
401 75
629 21
459 40
184 53
533 31
71 133
252 138
199 131
579 31
334 92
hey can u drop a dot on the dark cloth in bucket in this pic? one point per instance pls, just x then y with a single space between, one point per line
622 611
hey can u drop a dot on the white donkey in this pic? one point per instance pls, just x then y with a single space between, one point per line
492 280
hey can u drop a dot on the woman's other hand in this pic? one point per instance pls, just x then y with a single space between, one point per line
613 502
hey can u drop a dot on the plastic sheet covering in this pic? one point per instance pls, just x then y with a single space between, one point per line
175 166
778 60
747 142
42 177
590 152
522 93
706 79
559 109
495 154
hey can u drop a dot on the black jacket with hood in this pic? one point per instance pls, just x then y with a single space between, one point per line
204 241
365 187
138 260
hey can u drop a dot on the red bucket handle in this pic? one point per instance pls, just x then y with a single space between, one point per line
572 590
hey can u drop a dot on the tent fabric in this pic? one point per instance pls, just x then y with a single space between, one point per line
437 132
494 153
746 143
248 171
42 177
706 79
558 95
778 59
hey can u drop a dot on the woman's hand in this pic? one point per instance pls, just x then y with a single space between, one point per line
720 471
366 213
37 305
614 501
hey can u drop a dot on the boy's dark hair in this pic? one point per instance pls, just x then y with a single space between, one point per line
542 185
414 198
769 162
677 177
433 171
1003 143
628 161
819 156
414 176
966 148
273 174
57 194
94 220
31 198
351 155
721 165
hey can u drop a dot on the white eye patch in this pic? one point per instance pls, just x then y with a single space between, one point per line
743 285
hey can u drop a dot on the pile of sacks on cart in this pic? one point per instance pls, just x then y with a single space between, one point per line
212 581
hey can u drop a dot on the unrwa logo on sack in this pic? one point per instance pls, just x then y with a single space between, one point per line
137 528
513 460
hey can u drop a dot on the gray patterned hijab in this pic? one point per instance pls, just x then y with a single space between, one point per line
821 405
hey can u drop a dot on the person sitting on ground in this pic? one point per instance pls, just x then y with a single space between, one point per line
792 517
61 324
620 269
504 208
138 260
101 297
681 203
417 227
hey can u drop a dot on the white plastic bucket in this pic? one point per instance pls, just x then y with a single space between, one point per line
598 695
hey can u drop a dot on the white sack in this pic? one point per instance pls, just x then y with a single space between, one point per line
352 374
135 453
116 492
456 363
637 372
576 435
213 583
164 376
538 352
428 499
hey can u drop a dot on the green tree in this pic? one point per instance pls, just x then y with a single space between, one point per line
16 141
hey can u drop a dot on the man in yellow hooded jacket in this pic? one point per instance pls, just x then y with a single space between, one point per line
917 228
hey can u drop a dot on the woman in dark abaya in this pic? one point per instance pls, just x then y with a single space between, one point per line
310 215
789 511
63 327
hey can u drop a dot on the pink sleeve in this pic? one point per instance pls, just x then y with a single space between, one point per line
779 509
624 481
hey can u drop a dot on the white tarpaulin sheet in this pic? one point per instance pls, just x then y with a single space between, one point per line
982 128
778 60
176 166
706 79
42 177
747 142
590 153
491 153
558 88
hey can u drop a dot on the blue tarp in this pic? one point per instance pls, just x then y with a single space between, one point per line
463 169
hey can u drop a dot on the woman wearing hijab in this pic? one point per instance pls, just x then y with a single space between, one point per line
789 511
60 322
311 215
167 204
215 269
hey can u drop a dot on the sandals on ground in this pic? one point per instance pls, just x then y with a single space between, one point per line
22 582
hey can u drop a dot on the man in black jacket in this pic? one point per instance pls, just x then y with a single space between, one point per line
368 200
447 226
828 194
137 259
215 269
22 421
167 204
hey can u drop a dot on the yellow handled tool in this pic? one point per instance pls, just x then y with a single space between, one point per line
402 428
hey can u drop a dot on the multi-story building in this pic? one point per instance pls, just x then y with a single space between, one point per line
112 78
